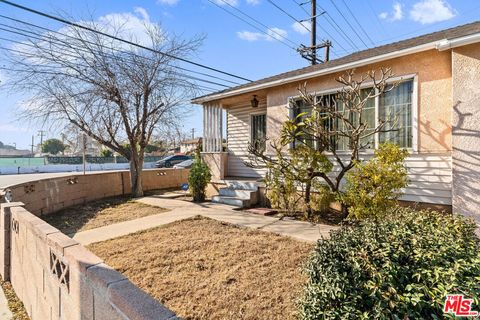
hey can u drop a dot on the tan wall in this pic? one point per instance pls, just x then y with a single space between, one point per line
466 131
217 162
57 278
433 69
50 195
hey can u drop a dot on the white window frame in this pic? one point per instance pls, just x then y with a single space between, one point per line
414 148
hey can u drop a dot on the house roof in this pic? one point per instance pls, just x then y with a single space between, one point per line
439 40
192 141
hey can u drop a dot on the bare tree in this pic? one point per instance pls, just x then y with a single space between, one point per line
116 93
332 120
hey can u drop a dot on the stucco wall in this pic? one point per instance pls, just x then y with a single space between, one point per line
57 278
433 69
49 195
466 131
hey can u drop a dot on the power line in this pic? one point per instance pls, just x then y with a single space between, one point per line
70 46
68 53
337 43
339 29
64 21
110 48
346 20
288 14
359 24
254 26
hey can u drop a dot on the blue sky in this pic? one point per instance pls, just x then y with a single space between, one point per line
237 47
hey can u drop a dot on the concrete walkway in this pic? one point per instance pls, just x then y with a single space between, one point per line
5 312
180 210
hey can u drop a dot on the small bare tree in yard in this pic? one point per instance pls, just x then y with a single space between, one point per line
328 131
116 93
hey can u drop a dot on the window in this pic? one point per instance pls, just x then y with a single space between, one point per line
259 131
394 106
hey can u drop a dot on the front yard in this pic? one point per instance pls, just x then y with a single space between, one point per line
100 213
206 269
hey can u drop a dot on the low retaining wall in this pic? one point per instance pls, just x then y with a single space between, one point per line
55 276
49 195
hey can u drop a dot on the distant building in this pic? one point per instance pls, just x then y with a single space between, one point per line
14 152
190 145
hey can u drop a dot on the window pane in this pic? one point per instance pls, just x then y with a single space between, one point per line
395 107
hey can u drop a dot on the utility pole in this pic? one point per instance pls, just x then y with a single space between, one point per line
41 133
313 34
84 144
32 145
310 53
193 133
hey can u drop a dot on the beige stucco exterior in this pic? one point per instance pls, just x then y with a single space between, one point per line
466 131
434 77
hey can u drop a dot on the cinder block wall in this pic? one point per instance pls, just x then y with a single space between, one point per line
50 195
57 278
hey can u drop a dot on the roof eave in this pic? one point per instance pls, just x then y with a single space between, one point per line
440 45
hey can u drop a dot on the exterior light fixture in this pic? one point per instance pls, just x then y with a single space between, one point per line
254 101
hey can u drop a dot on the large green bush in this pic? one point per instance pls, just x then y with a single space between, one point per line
198 178
400 267
374 186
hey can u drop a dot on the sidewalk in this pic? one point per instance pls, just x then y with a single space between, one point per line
5 312
181 210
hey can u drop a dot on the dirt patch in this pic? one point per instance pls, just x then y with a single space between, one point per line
205 269
100 213
14 304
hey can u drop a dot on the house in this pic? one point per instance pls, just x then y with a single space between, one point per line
190 145
440 100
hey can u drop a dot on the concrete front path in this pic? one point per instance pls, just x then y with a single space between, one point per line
180 210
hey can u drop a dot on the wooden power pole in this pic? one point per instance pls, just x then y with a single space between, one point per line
310 53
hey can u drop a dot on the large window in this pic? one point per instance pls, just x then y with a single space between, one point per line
394 106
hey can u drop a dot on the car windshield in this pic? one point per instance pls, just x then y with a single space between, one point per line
168 158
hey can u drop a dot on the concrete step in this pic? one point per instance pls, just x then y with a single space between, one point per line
233 201
239 193
241 185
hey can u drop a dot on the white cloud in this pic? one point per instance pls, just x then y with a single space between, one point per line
168 2
253 2
271 35
395 15
430 11
225 2
301 27
276 34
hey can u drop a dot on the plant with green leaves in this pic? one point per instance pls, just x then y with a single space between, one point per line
106 153
326 121
399 267
198 178
374 186
53 146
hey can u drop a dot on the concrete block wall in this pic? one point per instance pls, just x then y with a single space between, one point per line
50 195
57 278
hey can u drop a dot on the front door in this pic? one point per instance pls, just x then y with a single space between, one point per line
259 131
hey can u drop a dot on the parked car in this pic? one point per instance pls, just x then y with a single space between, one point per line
184 165
172 160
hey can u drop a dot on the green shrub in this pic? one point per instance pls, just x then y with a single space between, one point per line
400 267
374 186
198 178
106 153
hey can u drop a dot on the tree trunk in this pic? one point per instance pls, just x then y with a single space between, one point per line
136 167
308 188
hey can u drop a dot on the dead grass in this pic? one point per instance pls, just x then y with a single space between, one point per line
100 213
205 269
14 304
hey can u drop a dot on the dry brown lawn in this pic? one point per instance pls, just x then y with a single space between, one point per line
100 213
205 269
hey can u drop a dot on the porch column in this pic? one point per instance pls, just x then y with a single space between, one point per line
212 128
